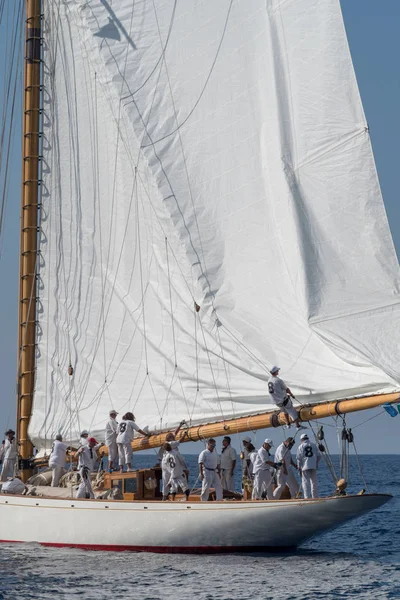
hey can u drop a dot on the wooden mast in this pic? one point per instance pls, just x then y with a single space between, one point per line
29 230
269 419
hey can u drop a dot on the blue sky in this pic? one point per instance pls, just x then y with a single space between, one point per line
373 32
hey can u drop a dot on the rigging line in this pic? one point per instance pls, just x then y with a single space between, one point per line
196 347
245 348
370 419
137 161
141 280
359 466
97 201
131 94
211 369
123 82
180 125
170 301
14 75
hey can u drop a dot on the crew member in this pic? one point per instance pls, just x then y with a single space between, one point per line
87 464
84 438
9 455
209 472
228 463
57 460
262 472
170 438
125 435
285 475
247 468
111 439
308 458
178 469
281 396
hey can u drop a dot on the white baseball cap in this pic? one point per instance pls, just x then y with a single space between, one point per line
113 412
304 436
84 432
268 441
275 369
247 439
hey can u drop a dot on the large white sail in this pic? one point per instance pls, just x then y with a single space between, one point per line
213 153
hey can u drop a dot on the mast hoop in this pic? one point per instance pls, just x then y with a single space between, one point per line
38 205
39 16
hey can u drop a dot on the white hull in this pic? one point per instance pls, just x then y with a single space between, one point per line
176 527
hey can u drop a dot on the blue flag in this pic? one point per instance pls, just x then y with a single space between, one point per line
391 410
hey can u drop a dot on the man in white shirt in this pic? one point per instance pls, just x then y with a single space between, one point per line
285 475
125 435
263 472
209 472
281 396
13 486
57 460
9 456
87 456
228 463
308 458
111 439
84 437
178 470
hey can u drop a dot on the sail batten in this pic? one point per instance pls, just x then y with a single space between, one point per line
209 155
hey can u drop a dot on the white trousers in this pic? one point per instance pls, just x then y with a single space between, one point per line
309 483
210 479
262 483
58 472
166 481
125 454
178 482
112 454
227 480
282 480
7 469
85 486
289 410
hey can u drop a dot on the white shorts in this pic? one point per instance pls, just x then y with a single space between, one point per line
125 454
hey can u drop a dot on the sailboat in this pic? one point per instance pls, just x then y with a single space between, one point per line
200 202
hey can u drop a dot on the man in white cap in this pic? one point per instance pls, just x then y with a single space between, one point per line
209 472
281 396
308 458
228 463
10 455
285 475
263 473
111 439
57 459
84 438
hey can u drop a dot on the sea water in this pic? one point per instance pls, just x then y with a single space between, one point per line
359 560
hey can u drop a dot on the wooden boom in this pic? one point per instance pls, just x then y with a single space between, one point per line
269 419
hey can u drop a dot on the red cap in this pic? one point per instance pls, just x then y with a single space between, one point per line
93 440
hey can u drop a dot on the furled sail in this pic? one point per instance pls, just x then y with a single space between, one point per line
210 208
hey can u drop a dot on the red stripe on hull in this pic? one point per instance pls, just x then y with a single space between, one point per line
162 549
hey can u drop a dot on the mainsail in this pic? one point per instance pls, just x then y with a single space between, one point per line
210 208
